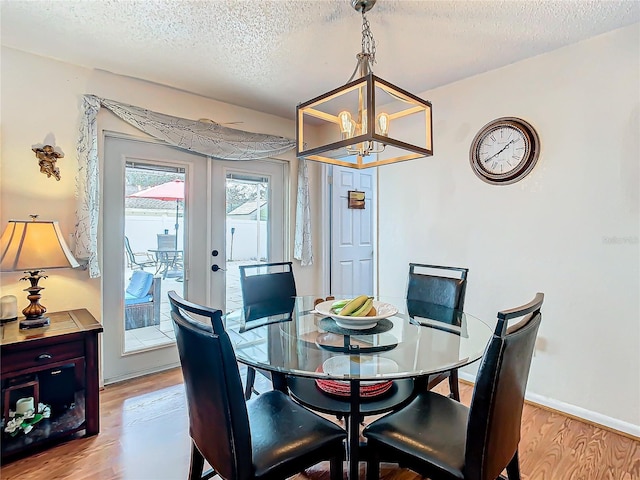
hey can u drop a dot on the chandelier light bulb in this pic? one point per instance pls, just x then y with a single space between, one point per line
347 125
352 129
383 123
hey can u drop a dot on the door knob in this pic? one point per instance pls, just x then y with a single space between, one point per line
215 268
215 253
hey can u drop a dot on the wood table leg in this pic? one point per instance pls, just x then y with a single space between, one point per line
91 397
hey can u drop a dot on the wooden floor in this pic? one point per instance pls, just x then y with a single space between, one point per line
144 435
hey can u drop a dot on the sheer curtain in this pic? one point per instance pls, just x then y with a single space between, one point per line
207 138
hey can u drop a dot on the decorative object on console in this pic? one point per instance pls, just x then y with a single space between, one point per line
32 246
47 158
8 308
504 151
366 119
26 416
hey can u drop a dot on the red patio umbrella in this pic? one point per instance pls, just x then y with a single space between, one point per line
173 190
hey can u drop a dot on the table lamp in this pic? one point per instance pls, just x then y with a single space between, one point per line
31 247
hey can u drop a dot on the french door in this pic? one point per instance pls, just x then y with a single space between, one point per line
224 214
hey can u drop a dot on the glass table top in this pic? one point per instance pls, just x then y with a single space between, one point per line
290 337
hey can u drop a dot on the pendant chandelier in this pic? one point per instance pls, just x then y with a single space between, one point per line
367 122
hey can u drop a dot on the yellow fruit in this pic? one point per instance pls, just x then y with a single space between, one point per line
353 305
364 309
372 312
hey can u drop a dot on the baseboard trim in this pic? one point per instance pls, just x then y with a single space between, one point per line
141 373
578 413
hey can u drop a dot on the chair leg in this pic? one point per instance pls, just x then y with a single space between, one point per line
197 463
513 469
453 385
251 378
373 466
335 467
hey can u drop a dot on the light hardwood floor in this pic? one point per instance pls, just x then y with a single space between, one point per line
144 435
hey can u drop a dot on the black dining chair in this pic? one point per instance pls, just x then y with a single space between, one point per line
269 437
261 284
442 439
443 286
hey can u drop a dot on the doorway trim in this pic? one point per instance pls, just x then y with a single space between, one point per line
327 229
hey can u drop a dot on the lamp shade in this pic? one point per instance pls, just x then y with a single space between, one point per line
34 245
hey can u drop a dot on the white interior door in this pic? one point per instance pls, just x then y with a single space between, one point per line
352 232
249 197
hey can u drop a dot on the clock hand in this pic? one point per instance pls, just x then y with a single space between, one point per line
500 151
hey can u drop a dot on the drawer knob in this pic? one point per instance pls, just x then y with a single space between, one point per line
44 356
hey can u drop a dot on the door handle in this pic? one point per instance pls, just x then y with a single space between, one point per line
215 268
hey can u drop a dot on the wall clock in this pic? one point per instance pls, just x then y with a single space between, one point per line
504 151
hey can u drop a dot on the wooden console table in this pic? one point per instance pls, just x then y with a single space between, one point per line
70 342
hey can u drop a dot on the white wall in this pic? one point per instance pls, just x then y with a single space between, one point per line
570 229
41 101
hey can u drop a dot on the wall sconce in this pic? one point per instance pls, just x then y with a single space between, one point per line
47 158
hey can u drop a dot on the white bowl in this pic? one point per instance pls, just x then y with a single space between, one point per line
383 310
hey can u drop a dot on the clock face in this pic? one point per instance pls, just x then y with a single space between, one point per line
504 151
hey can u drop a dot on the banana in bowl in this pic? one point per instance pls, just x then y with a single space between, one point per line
362 312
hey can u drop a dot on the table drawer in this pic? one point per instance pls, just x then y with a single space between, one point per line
40 356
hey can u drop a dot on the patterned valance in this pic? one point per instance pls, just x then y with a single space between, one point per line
206 138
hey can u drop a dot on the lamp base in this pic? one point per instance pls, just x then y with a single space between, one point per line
34 312
7 320
34 323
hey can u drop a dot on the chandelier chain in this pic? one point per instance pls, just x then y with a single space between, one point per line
368 42
367 57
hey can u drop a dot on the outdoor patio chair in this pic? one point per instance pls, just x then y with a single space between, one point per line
142 300
137 259
169 258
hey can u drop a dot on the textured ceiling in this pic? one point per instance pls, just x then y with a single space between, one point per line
272 55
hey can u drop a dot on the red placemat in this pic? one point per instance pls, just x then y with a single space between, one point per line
343 388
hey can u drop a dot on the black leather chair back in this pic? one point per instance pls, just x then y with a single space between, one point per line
493 430
266 281
279 308
218 420
447 288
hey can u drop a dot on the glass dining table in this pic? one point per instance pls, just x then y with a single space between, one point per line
333 368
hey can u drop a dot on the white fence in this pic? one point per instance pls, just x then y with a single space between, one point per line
141 228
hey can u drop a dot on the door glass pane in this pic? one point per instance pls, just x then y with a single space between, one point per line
247 229
154 239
